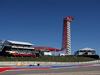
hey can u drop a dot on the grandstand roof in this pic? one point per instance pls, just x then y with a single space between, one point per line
47 48
86 49
17 42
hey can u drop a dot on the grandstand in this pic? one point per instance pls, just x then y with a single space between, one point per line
16 48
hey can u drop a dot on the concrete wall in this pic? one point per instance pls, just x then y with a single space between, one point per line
19 63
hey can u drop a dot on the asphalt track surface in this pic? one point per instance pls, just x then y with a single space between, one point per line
57 71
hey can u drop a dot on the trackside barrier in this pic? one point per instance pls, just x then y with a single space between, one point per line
22 63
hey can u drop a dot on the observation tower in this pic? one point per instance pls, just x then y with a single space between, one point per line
66 39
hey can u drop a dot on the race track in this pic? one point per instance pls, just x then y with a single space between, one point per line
57 71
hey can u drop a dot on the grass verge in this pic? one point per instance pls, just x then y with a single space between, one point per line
48 59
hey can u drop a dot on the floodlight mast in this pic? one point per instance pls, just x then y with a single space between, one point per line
66 40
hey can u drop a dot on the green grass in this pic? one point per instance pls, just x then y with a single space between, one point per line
48 59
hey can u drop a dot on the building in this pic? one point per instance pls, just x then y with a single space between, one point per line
15 48
86 51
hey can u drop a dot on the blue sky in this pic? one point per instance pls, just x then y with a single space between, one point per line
41 22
